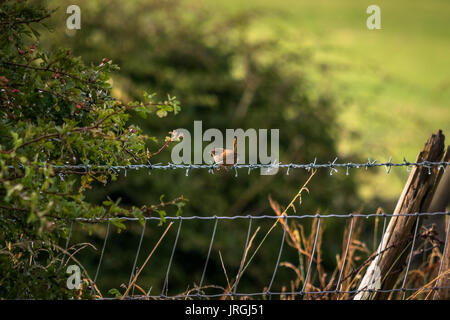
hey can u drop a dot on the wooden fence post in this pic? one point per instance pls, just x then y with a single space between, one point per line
444 281
416 197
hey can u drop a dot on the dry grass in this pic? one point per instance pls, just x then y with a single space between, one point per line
423 273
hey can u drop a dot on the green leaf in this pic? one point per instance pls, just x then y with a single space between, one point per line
180 205
16 139
31 217
161 113
118 223
116 293
162 215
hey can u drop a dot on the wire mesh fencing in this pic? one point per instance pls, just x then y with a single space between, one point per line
311 280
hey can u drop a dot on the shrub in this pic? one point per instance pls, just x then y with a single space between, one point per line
55 111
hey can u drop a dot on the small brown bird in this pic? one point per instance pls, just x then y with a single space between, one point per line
225 157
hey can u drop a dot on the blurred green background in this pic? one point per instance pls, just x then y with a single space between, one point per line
310 68
396 81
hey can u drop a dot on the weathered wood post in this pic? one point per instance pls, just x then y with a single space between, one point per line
416 197
440 202
444 281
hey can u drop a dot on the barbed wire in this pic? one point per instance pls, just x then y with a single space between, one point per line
332 166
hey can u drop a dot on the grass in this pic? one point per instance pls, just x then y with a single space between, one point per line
145 262
395 81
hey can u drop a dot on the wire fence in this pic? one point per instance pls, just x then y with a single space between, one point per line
333 166
199 291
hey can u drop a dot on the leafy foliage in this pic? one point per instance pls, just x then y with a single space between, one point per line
56 110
